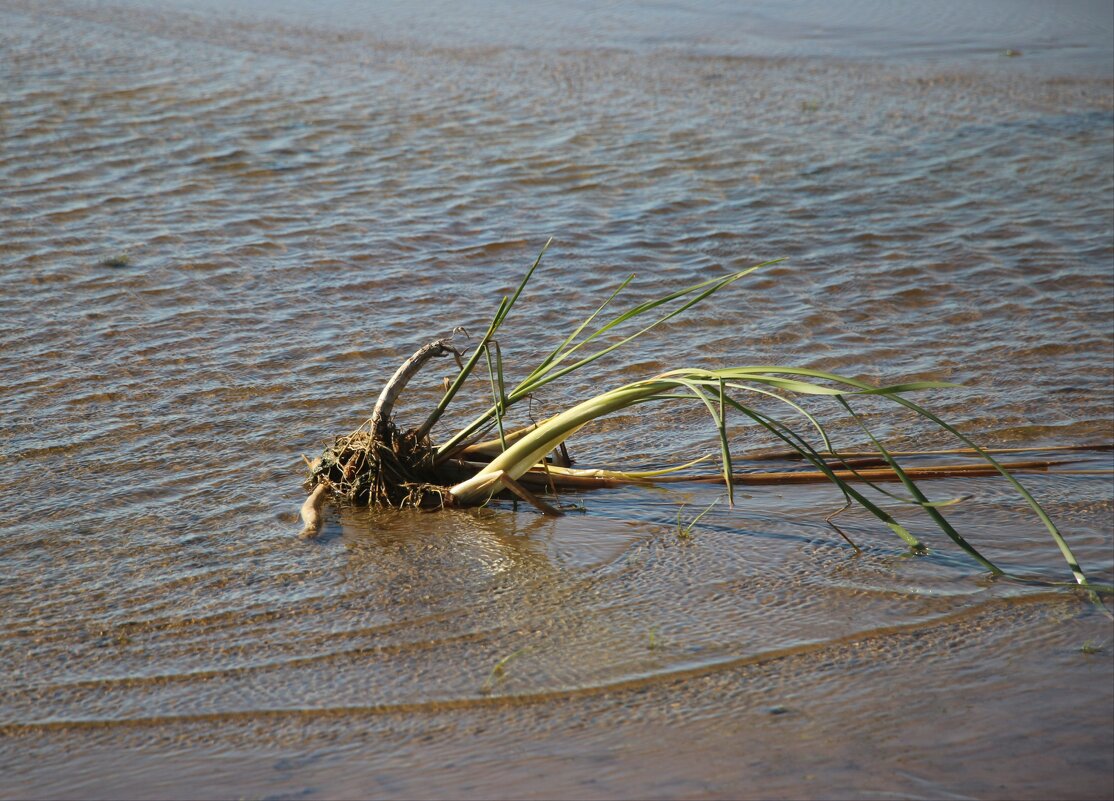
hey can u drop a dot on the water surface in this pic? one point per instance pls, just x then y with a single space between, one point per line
221 232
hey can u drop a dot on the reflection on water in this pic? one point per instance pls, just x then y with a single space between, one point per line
221 233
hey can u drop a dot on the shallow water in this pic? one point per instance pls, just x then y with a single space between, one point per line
297 199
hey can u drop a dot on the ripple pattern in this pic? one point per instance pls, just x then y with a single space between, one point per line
219 233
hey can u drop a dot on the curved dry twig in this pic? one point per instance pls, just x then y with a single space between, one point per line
381 415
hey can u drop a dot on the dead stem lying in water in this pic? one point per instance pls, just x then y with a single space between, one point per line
379 465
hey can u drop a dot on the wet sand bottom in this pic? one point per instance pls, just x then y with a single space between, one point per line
1020 710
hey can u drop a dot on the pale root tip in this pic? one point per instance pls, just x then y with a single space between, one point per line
311 512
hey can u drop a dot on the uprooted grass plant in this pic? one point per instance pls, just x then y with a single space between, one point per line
380 465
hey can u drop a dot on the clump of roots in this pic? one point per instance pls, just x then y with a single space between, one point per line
392 469
378 465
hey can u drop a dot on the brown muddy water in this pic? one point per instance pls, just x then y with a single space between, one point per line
220 232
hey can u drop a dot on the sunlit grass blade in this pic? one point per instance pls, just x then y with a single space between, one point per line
629 475
894 394
705 289
498 392
719 416
1057 537
532 448
794 441
550 371
556 352
505 306
832 450
916 492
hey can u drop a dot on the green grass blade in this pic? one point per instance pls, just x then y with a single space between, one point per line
721 430
505 310
770 375
800 409
537 379
708 288
505 306
1057 537
572 337
807 452
805 413
728 470
894 393
497 390
712 377
685 532
923 501
832 450
823 436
